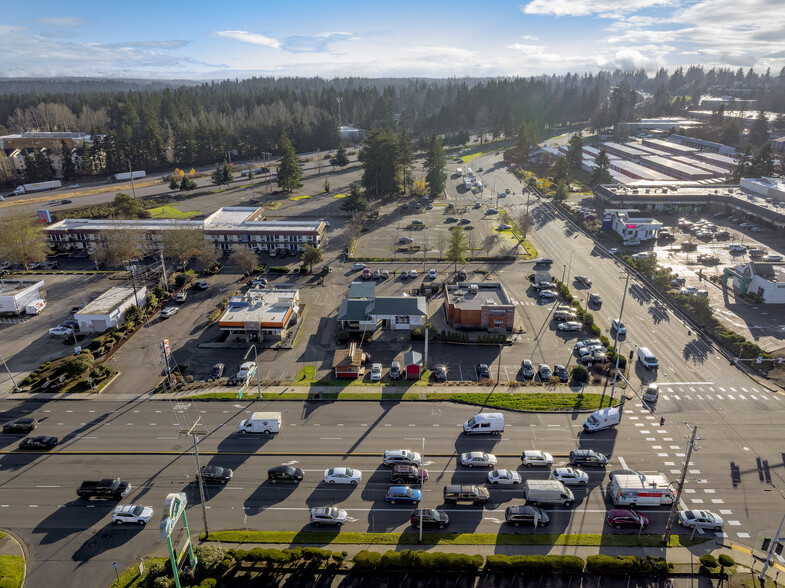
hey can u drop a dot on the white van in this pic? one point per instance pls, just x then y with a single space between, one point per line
36 306
486 422
646 357
605 418
651 394
261 422
547 492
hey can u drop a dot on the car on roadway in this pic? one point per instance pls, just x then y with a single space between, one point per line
504 477
570 326
376 372
624 517
38 442
526 515
614 250
440 373
328 515
22 425
431 274
53 202
284 473
476 206
394 457
66 201
583 280
595 299
492 211
701 519
527 369
60 331
403 474
203 285
618 326
215 474
430 518
570 476
586 457
358 266
544 372
465 221
772 257
182 296
561 372
544 261
535 457
479 459
403 494
548 295
342 476
169 311
413 273
483 372
132 513
417 221
73 186
216 372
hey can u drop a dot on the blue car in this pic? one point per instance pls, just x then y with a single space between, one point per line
403 494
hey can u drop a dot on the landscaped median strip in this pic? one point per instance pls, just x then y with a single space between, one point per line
410 538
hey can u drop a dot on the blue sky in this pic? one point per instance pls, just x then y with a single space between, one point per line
432 38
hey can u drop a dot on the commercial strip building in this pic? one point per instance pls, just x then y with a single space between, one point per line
766 280
631 224
483 305
261 314
669 146
15 295
108 310
675 169
227 228
363 311
702 145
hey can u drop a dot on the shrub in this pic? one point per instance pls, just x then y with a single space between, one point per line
499 562
605 342
709 561
208 583
339 557
76 366
279 270
726 561
588 318
580 374
367 559
343 336
595 331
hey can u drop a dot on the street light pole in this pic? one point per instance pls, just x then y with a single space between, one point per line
256 365
616 338
131 171
10 375
422 475
690 446
766 564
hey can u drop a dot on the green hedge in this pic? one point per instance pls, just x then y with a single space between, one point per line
423 560
279 270
626 564
536 564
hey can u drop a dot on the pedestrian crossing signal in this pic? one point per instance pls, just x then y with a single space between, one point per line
662 421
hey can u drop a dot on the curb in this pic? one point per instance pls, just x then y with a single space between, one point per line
23 551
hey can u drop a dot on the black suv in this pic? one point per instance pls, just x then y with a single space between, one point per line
526 515
408 474
455 493
430 518
587 457
285 473
215 474
23 425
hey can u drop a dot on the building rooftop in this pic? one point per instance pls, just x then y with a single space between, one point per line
628 150
667 164
652 150
15 287
109 300
704 165
471 296
269 308
365 289
645 173
669 146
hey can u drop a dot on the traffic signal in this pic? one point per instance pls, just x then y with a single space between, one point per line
766 545
662 421
778 548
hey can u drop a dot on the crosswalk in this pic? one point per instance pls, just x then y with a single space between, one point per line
735 395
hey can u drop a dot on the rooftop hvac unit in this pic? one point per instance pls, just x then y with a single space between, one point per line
489 301
474 288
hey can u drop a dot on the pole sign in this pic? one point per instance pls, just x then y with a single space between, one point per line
43 216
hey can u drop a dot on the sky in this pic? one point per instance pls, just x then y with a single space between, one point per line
174 39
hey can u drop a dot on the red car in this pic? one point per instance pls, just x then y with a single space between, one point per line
367 273
622 517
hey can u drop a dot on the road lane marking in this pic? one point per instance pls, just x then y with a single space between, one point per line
47 486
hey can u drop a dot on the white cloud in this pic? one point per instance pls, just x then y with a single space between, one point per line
527 49
314 44
602 8
627 59
67 22
251 38
530 38
167 44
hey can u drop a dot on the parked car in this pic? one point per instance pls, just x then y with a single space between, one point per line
403 495
243 373
132 513
614 250
570 326
413 273
342 476
366 273
431 274
440 373
430 518
587 457
527 369
570 476
408 474
394 457
169 311
328 515
544 372
561 372
284 473
376 274
623 517
461 275
202 284
587 343
39 442
701 519
216 372
404 274
21 425
60 331
535 457
451 219
73 186
504 227
548 295
358 266
395 370
479 459
483 372
376 372
504 477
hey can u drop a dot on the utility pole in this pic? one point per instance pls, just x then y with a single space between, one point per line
774 542
194 431
691 444
616 338
133 187
163 270
10 375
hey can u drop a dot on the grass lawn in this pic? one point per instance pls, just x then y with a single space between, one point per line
411 538
535 401
339 196
12 569
303 197
468 158
171 212
130 578
272 205
306 374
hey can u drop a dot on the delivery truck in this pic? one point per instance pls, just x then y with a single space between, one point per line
261 422
641 490
605 418
125 176
37 187
547 492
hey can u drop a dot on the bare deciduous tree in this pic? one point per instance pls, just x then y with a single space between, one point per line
524 221
22 239
180 243
209 254
245 259
441 242
120 244
355 227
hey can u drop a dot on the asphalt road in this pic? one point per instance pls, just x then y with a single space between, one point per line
736 472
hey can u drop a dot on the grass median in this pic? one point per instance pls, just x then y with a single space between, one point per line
534 401
12 569
412 538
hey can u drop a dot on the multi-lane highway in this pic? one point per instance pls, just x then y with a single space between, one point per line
736 472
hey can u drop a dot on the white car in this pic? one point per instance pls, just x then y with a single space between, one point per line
591 349
61 331
614 250
505 227
169 311
432 274
587 343
618 326
570 326
413 274
771 257
504 477
342 476
535 457
376 372
132 513
358 266
548 295
181 296
479 459
73 186
701 519
570 476
245 369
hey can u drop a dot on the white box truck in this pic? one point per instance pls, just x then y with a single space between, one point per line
641 490
261 422
122 177
486 422
547 492
37 187
605 418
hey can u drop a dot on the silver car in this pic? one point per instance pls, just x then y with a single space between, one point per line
701 519
328 515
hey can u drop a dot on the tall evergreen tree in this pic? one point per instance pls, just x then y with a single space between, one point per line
763 162
759 131
456 247
560 170
289 171
67 167
435 177
381 168
600 173
405 158
743 168
575 150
